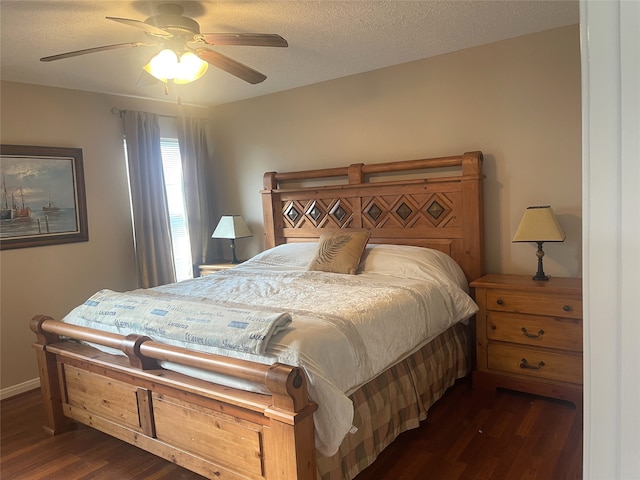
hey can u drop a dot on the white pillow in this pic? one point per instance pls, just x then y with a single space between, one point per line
398 260
411 262
286 255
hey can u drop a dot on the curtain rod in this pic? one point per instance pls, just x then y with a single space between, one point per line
120 113
117 111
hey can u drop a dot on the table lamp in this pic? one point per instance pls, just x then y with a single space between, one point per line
232 227
539 225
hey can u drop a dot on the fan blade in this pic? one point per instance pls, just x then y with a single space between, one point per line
230 66
142 26
94 50
248 39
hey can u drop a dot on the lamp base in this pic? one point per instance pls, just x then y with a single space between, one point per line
233 250
540 275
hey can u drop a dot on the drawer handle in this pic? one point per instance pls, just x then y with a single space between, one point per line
566 308
525 364
499 301
532 335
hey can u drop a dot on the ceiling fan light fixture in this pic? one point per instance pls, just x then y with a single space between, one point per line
190 68
163 65
180 34
167 66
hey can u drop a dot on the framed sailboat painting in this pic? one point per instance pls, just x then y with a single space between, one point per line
42 196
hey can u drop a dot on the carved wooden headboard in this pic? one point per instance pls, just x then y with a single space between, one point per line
434 211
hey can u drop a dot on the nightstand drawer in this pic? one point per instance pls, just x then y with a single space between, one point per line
536 363
549 332
568 306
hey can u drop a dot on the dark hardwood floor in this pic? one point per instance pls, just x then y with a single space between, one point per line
510 436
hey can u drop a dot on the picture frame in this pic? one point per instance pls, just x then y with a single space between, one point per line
42 196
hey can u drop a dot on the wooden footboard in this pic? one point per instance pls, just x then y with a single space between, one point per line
216 431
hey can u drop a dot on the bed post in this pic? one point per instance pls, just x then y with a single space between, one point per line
289 440
55 421
269 215
472 201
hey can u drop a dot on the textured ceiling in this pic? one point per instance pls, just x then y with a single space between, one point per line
327 39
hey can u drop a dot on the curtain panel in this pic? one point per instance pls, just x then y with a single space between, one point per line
152 232
195 155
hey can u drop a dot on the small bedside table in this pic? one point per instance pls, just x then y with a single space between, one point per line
529 335
209 268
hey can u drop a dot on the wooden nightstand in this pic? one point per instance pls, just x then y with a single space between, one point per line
209 268
529 335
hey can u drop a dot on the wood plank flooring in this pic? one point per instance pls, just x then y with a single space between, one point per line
511 436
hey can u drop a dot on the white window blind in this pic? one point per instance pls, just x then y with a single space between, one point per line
174 184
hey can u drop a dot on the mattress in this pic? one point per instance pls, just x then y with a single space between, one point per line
344 330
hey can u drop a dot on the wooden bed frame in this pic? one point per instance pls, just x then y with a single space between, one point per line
229 434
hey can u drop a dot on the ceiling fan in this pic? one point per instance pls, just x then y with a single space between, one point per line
181 35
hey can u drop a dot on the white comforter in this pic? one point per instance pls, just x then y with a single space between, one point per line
345 329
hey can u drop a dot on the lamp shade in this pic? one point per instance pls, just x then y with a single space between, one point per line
231 226
539 224
186 68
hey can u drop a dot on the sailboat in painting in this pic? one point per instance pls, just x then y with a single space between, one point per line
6 213
17 210
20 211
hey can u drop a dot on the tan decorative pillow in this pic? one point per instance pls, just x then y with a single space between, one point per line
340 252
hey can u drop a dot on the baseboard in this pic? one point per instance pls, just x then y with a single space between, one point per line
20 388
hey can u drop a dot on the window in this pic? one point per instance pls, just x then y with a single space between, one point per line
172 167
174 186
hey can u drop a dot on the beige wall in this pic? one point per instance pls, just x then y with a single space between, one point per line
518 101
53 279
